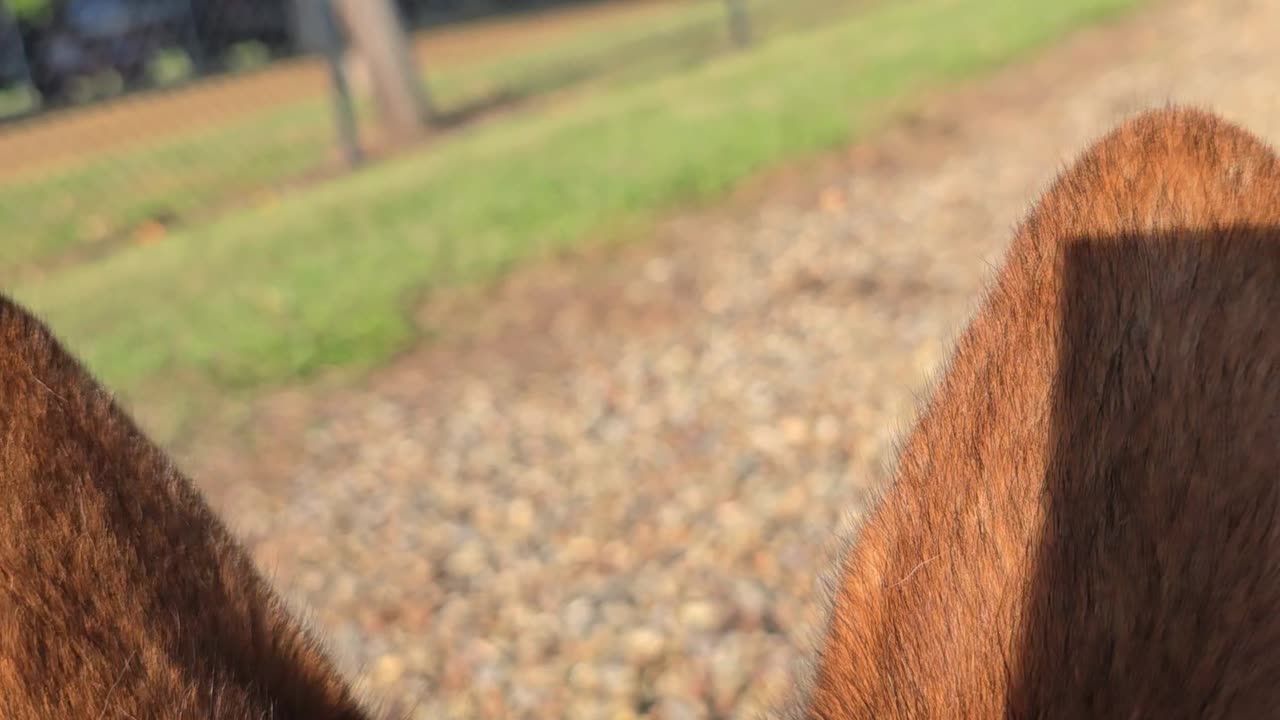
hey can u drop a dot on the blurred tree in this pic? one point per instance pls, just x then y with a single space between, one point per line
377 35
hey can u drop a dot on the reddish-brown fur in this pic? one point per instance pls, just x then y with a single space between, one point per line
121 594
1083 523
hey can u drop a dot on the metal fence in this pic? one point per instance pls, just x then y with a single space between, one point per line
121 119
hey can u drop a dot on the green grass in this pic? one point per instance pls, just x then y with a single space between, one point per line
325 278
636 51
16 100
100 200
106 196
28 8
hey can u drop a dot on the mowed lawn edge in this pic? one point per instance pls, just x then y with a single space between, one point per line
324 278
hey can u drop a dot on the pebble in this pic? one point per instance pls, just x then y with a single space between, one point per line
520 515
626 516
584 677
388 671
644 645
699 616
467 561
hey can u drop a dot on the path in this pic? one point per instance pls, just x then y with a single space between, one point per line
613 497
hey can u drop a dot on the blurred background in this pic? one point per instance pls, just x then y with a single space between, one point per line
538 349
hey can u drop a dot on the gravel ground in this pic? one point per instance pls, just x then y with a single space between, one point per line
611 496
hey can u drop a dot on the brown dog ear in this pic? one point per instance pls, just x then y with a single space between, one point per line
121 593
1083 523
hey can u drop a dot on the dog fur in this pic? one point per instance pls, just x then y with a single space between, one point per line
121 594
1083 522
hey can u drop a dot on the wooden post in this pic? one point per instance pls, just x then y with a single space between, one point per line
376 34
739 22
343 107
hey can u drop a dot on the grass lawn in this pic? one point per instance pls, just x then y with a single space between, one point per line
324 278
98 203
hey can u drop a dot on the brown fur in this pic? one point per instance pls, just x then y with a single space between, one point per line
1083 523
121 594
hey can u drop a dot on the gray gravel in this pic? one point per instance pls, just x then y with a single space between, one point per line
613 498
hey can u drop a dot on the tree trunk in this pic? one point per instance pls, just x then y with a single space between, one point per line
375 33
